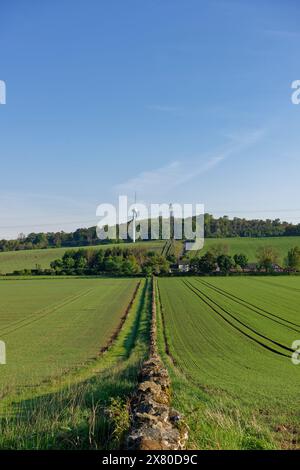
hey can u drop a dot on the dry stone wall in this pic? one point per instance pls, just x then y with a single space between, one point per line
155 425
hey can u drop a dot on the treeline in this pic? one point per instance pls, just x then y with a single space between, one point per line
115 261
81 237
224 227
132 262
218 260
221 227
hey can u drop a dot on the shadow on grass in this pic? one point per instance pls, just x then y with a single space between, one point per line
138 332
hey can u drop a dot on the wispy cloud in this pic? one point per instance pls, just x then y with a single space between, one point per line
155 183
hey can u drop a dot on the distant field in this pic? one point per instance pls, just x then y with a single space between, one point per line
229 352
28 259
53 325
249 246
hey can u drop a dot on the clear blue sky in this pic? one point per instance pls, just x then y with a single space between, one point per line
184 101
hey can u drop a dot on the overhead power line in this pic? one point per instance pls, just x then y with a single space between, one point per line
94 221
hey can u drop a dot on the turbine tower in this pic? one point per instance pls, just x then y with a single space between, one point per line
172 222
134 216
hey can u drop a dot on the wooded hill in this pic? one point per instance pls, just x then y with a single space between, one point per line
222 227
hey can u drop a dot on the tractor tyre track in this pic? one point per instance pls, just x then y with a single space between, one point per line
203 297
250 306
17 326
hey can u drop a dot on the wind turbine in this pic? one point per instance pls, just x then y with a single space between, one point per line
134 216
171 221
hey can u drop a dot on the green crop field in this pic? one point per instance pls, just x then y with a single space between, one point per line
57 391
249 246
50 326
28 259
227 343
